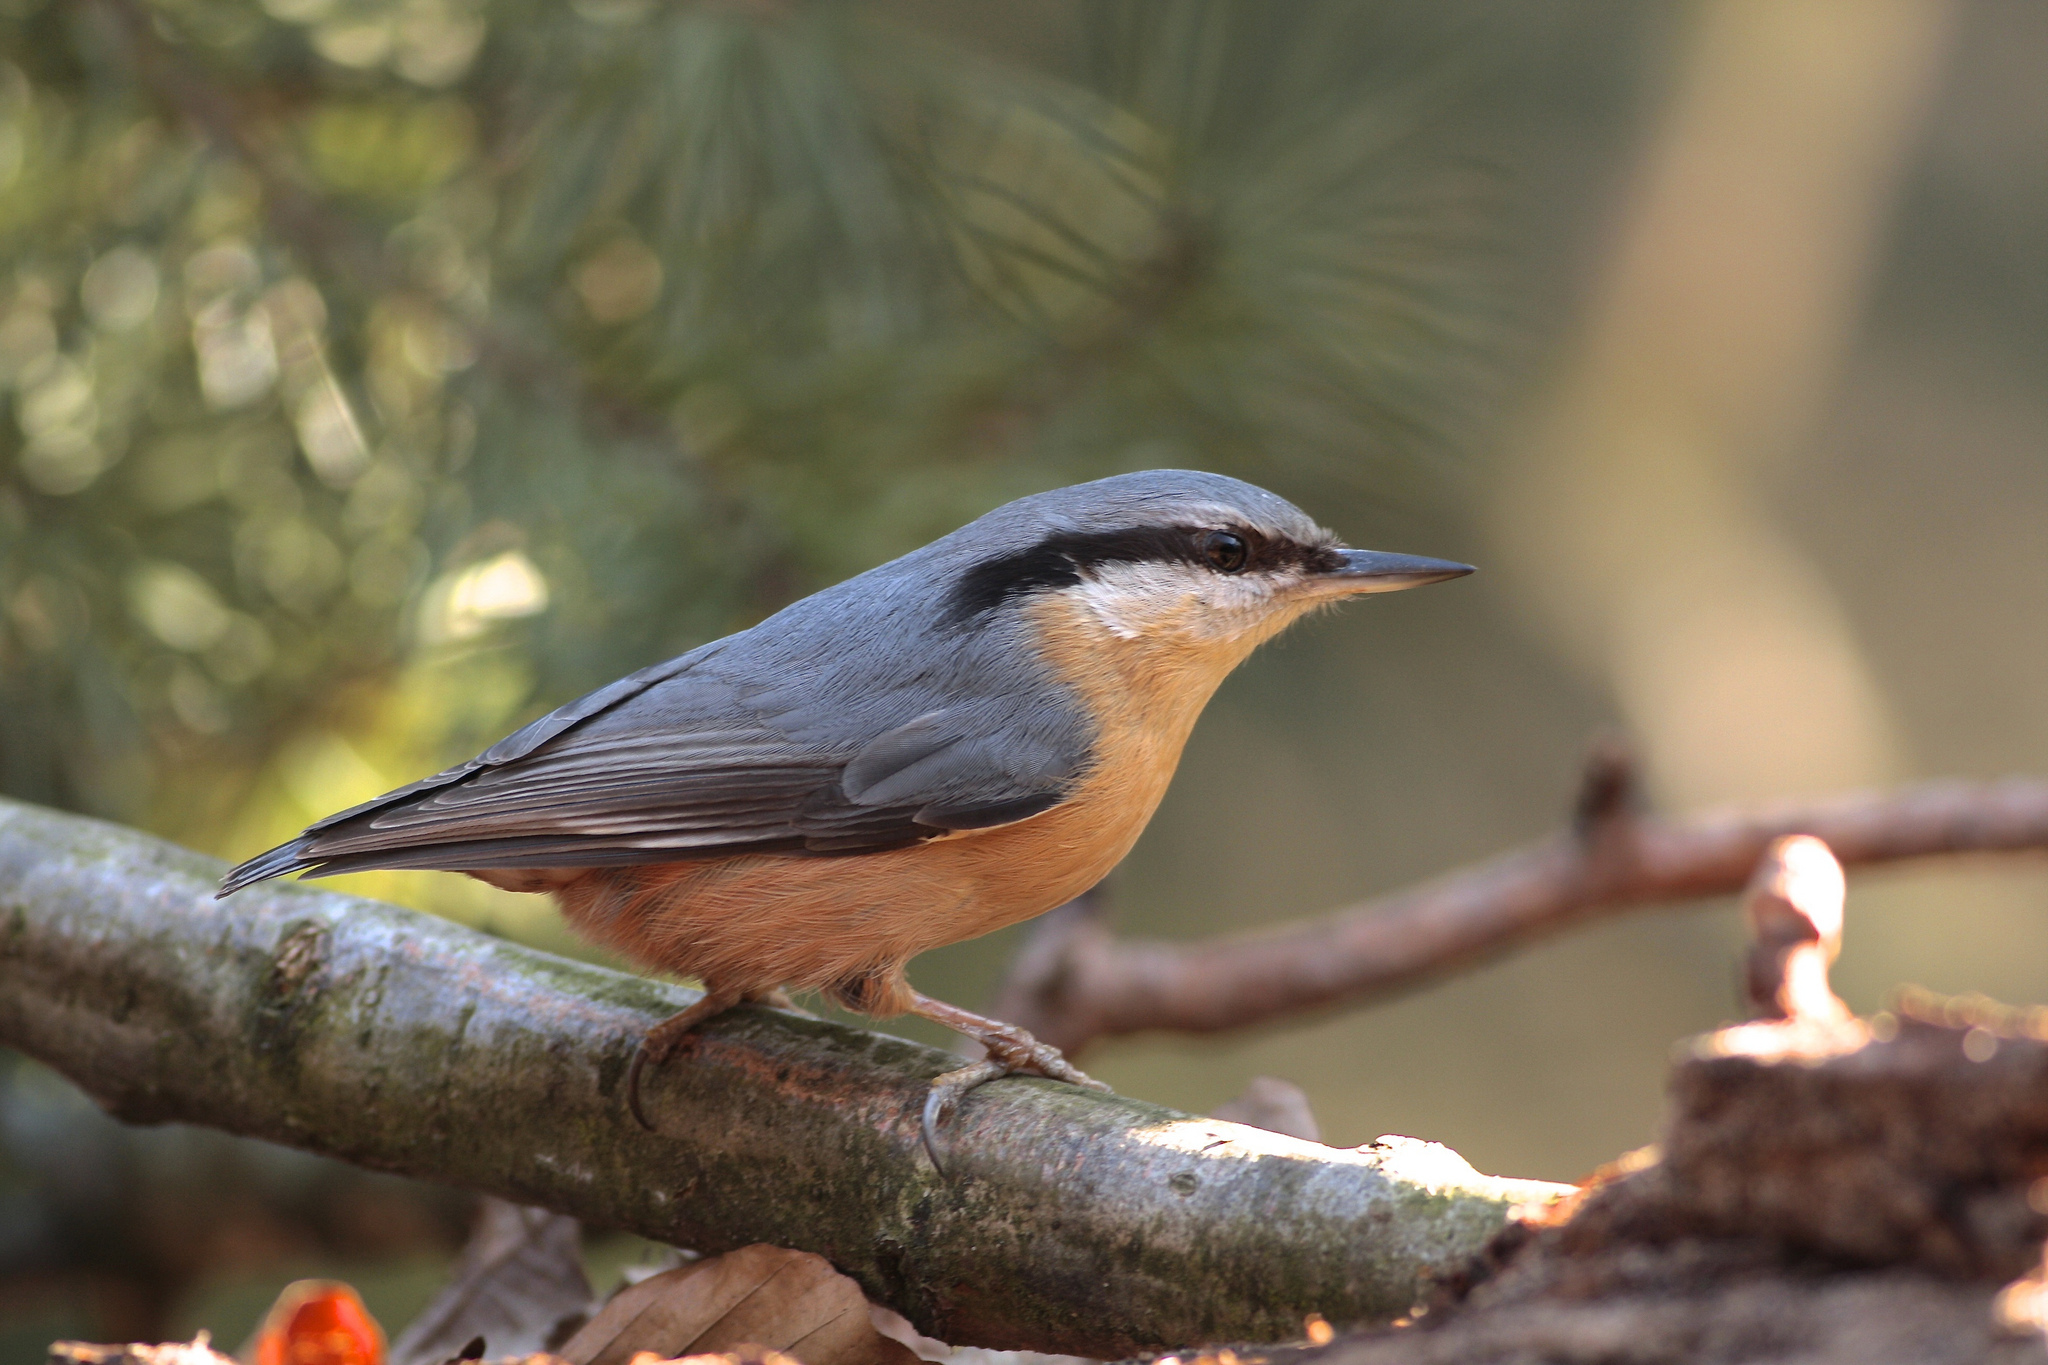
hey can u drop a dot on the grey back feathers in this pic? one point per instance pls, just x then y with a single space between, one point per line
901 704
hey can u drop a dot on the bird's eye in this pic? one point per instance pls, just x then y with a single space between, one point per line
1225 552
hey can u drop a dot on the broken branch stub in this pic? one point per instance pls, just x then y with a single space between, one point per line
1824 1191
1794 910
1072 1222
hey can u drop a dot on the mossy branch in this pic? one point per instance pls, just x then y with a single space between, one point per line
1070 1221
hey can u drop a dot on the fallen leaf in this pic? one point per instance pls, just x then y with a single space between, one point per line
897 1328
198 1351
518 1284
759 1297
318 1322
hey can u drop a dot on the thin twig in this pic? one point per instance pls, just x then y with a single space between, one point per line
1074 983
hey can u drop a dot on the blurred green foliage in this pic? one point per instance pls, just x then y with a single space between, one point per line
377 372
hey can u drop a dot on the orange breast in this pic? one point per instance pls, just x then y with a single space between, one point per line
759 921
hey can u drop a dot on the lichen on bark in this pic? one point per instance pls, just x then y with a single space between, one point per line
1076 1222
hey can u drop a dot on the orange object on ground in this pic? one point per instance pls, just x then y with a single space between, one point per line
319 1322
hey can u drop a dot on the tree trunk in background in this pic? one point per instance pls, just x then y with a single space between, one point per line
1631 512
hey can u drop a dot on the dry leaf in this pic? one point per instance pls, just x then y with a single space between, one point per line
198 1351
758 1296
897 1328
519 1285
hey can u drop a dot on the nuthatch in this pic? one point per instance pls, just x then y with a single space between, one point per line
958 740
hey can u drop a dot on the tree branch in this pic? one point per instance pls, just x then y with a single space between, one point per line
1072 1221
1074 983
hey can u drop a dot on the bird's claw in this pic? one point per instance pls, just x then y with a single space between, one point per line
944 1097
633 1070
1024 1056
665 1037
654 1049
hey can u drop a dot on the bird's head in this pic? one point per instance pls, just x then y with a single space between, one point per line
1196 563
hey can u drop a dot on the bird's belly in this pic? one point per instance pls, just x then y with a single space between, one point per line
759 921
756 922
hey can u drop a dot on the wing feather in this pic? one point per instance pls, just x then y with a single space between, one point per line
670 764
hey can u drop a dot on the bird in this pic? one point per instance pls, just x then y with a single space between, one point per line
952 742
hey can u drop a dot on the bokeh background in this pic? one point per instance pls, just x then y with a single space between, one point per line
377 374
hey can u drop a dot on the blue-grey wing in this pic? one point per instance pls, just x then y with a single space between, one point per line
679 762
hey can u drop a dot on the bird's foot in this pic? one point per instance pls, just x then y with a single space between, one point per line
1011 1051
1021 1054
944 1097
661 1040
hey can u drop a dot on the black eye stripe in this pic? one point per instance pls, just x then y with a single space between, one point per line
1061 560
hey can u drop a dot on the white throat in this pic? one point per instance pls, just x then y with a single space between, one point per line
1185 603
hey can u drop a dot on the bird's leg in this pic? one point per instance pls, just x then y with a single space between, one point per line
1011 1050
1013 1047
661 1040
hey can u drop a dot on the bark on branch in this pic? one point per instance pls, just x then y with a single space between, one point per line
1071 1221
1074 983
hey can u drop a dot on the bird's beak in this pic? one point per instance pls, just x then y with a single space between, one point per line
1363 571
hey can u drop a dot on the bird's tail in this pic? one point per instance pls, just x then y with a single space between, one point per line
287 857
